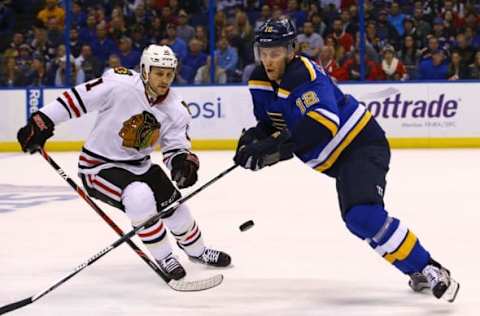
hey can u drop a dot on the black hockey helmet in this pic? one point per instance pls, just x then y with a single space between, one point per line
276 32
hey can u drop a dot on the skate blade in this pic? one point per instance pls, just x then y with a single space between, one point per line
452 291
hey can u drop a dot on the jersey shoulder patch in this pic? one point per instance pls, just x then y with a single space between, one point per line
300 71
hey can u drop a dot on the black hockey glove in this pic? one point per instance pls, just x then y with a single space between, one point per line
266 152
184 169
253 134
34 135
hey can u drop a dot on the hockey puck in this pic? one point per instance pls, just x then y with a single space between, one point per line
247 225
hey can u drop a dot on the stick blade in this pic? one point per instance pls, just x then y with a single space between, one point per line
198 285
13 306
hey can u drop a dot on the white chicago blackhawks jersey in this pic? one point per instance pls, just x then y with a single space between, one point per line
127 127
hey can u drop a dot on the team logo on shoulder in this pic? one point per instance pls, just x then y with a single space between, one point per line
140 131
122 71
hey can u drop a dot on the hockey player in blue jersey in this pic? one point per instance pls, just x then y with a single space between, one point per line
301 112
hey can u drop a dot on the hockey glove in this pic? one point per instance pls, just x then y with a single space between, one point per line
266 152
184 169
253 134
34 135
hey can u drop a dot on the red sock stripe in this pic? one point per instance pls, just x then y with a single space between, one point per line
153 232
90 161
103 186
71 104
192 234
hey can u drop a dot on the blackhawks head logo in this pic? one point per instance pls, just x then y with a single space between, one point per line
140 131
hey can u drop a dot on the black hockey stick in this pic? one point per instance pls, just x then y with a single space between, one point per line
177 285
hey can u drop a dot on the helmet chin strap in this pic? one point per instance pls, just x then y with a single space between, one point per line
152 95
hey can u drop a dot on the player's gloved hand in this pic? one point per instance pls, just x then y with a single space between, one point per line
248 137
266 152
34 135
184 169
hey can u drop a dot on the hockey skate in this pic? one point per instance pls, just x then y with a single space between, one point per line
438 279
212 257
171 267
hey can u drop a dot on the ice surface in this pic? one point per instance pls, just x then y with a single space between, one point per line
298 259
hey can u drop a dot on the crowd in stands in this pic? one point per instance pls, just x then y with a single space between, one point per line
405 40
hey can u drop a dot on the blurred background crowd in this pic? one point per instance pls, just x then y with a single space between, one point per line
404 40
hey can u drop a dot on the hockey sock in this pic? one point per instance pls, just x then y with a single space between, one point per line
186 231
388 236
139 203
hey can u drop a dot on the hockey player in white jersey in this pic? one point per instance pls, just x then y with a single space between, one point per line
135 112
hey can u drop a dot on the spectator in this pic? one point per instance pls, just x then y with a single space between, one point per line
439 32
40 44
309 42
117 28
408 27
24 58
341 37
113 62
227 57
327 61
348 26
466 51
433 45
202 35
243 47
295 13
10 73
155 32
139 40
474 69
422 27
203 73
75 44
178 46
88 32
243 26
318 25
409 55
396 18
52 13
77 75
102 45
351 69
92 67
17 41
168 16
128 57
435 68
385 31
193 60
54 35
265 14
184 31
392 67
457 70
220 23
79 18
37 74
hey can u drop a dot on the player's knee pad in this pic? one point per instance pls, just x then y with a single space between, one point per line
366 220
180 221
139 202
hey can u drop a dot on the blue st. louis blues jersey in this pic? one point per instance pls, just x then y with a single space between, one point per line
306 93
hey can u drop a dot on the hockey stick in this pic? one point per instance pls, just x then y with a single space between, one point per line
177 285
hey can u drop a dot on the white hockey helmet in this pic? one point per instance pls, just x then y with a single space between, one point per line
159 56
